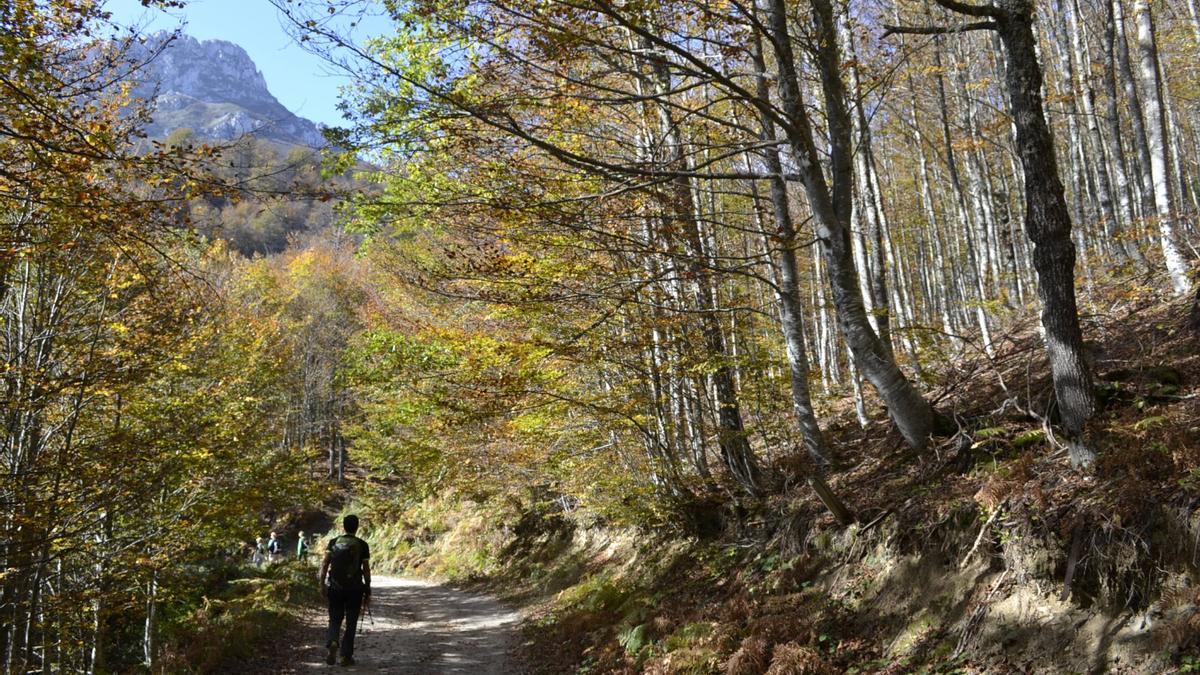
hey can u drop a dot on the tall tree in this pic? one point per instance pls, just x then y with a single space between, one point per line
1157 133
829 200
1047 219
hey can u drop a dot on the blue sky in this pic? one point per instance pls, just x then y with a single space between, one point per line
301 81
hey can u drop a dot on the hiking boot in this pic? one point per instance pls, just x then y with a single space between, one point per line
346 661
331 657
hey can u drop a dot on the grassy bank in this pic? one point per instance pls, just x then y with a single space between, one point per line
439 538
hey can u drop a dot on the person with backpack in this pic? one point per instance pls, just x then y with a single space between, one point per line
345 581
274 548
302 547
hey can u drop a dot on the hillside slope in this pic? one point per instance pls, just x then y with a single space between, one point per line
987 554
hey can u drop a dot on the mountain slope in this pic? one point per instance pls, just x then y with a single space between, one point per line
214 88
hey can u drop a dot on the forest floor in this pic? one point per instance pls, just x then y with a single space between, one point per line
416 627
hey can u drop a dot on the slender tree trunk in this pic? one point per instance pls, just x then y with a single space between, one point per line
102 651
1112 119
902 297
782 247
738 456
1137 118
1194 16
1156 126
964 216
946 294
149 645
874 262
860 403
1113 224
340 443
912 414
981 227
825 351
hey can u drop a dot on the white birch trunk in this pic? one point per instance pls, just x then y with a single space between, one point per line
1156 134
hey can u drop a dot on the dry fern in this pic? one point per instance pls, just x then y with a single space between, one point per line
778 628
1004 483
1179 627
793 659
750 659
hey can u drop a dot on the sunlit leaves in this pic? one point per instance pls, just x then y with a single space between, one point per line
132 398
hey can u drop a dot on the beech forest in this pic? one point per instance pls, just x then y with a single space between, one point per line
714 336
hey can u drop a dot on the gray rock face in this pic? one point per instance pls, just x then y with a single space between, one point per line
214 88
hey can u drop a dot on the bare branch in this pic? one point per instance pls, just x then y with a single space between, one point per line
938 30
969 9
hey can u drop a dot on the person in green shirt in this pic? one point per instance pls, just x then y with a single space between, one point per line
302 547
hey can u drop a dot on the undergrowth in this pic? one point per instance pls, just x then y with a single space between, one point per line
234 611
439 538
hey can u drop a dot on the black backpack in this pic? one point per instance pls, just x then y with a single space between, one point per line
345 562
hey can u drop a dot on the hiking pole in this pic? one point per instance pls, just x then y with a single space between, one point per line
367 612
371 615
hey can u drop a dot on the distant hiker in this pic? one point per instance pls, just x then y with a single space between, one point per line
302 548
345 582
259 552
274 548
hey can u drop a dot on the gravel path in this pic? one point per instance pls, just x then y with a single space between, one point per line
419 628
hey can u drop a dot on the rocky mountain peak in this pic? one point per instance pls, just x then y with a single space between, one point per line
214 88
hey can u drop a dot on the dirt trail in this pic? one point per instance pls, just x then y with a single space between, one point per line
419 627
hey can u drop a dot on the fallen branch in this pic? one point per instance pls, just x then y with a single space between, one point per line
874 521
982 531
976 619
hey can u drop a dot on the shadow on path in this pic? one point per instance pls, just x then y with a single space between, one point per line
418 627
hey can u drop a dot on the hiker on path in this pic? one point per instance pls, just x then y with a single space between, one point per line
259 552
302 547
345 581
274 548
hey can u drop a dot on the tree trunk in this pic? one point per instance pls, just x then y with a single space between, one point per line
782 247
1156 134
873 265
912 414
945 285
736 452
149 646
1194 16
1137 118
1112 119
1113 224
964 216
1048 226
340 443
